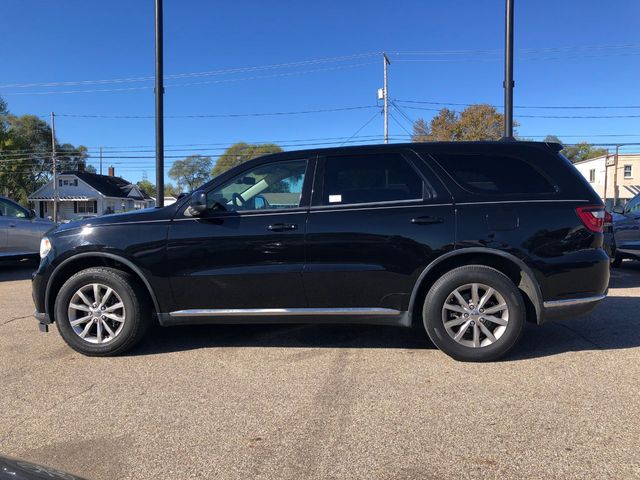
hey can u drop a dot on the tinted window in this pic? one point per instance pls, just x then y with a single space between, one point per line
368 179
634 205
8 209
495 174
272 186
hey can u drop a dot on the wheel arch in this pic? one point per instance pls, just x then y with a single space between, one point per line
507 263
85 260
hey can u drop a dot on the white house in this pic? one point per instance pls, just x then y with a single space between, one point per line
81 193
621 181
168 200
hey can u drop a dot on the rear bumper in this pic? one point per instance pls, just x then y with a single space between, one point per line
568 308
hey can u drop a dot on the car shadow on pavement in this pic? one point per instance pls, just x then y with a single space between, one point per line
612 325
627 275
13 271
191 337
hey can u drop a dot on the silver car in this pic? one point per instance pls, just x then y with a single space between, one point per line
20 230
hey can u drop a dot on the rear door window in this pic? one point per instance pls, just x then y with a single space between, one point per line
495 174
378 178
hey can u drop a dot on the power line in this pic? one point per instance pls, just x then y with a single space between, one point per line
545 116
397 122
225 71
125 89
220 115
542 107
526 51
362 127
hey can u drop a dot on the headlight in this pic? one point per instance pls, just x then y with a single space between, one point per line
45 247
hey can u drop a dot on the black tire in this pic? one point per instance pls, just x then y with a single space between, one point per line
616 261
128 288
442 290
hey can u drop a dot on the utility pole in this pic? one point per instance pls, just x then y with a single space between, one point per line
606 172
159 91
386 98
100 160
615 178
55 168
508 71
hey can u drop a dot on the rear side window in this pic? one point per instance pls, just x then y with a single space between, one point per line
495 174
370 179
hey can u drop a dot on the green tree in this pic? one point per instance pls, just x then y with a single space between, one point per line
71 159
170 189
476 122
25 154
420 131
241 152
26 159
191 172
579 151
148 187
4 113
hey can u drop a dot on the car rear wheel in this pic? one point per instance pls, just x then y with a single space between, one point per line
474 313
99 312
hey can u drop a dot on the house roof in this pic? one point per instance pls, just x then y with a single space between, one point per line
111 186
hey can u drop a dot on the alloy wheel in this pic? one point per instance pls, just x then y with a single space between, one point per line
96 313
475 315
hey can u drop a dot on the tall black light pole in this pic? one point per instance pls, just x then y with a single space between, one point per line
159 91
508 71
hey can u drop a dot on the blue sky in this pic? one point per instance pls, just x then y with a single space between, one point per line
564 56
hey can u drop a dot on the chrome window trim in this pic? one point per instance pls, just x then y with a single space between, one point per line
379 206
248 213
521 201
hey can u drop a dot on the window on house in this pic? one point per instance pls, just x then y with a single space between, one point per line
74 182
59 183
86 207
592 175
628 173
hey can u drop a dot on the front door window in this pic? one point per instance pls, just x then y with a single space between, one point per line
8 209
275 186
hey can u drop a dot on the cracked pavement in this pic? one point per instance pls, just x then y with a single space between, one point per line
292 402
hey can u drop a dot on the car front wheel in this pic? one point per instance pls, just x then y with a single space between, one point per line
99 312
474 313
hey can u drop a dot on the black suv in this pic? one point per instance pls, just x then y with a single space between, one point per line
467 241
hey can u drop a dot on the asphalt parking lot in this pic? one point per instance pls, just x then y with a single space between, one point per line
238 402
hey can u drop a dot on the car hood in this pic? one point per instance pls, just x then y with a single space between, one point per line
15 469
148 214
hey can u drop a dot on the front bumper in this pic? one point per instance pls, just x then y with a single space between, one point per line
42 317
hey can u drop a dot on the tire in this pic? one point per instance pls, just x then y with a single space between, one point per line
134 312
616 261
469 347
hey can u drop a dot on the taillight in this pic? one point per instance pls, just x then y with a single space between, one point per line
608 218
592 217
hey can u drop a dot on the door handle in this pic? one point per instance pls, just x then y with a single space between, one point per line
282 227
426 220
12 225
